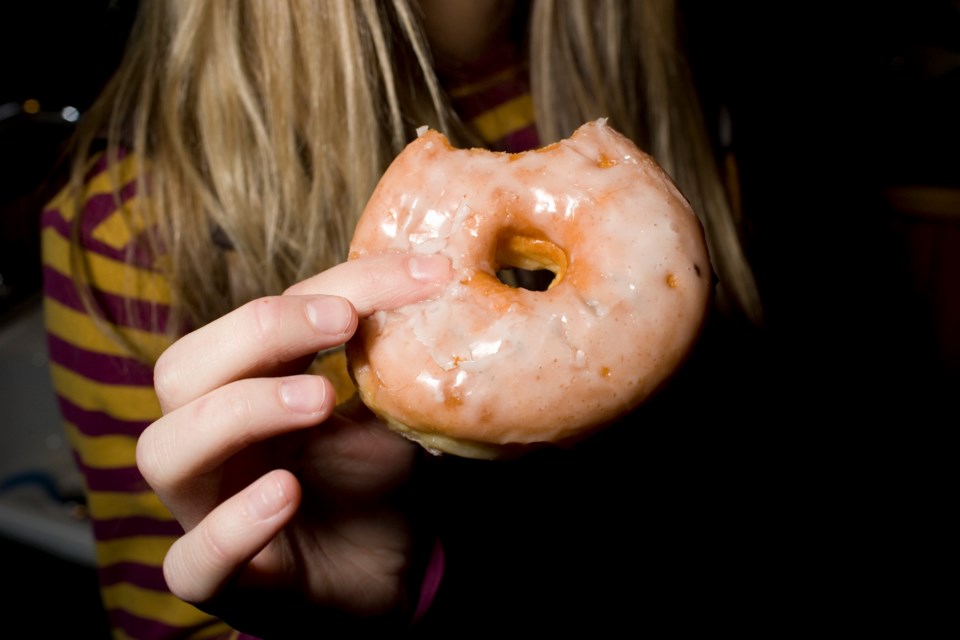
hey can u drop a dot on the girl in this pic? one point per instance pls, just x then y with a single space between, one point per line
229 158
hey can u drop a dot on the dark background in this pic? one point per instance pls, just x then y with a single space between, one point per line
836 109
834 112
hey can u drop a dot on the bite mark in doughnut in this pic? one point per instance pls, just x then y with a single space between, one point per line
486 370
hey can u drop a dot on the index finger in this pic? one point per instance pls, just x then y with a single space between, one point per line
262 336
380 282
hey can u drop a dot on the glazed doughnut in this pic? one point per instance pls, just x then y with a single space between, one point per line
487 370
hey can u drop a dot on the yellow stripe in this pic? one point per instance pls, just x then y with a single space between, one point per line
108 275
333 366
103 452
81 331
145 550
108 505
152 605
63 202
509 117
114 230
214 630
126 170
124 402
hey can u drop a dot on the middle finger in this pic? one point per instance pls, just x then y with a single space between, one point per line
256 339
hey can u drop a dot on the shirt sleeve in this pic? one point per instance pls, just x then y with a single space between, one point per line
106 398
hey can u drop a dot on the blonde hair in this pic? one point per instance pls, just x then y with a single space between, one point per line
269 123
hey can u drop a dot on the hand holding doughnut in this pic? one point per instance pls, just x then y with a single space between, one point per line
486 370
282 500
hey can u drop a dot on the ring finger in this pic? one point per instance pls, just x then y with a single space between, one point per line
180 454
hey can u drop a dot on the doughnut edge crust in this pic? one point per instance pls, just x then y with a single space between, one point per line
486 370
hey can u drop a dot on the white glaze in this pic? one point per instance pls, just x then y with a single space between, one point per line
489 363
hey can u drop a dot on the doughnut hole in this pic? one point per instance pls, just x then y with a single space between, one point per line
529 263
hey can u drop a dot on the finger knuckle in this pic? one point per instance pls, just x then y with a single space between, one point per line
146 457
237 411
215 546
265 320
165 380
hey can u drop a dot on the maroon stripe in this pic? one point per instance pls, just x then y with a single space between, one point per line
102 162
99 367
101 206
61 288
133 573
94 423
492 62
53 218
117 479
118 528
146 629
470 106
520 140
119 310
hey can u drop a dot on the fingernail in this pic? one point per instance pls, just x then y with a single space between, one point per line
267 498
330 315
303 395
433 268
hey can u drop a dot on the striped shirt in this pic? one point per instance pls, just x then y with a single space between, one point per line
106 396
106 399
